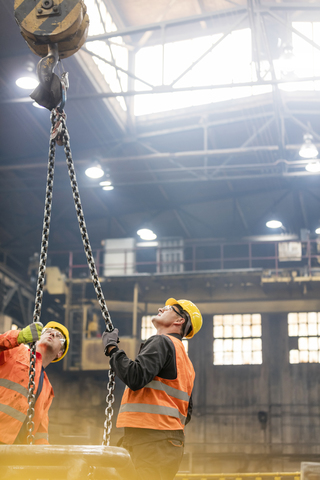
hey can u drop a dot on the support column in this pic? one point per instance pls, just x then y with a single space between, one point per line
135 310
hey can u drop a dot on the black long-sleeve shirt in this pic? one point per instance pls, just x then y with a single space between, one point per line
157 357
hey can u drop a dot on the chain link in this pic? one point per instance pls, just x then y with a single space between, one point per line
109 410
31 395
61 117
40 281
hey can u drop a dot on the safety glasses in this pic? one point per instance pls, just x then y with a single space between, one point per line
55 333
170 307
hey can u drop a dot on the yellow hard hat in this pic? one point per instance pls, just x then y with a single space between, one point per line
64 332
192 310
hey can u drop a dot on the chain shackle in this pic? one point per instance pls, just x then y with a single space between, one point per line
64 136
40 281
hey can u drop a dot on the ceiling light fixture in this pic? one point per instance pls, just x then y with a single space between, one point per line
317 231
274 224
146 234
94 171
313 167
308 149
27 83
108 187
287 60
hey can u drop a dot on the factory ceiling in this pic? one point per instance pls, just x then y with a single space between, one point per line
203 170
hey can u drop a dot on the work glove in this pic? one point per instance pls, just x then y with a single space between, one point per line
31 333
110 339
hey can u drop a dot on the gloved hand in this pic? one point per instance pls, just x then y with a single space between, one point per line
110 339
31 333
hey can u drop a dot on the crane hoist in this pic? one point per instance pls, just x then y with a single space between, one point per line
53 29
56 29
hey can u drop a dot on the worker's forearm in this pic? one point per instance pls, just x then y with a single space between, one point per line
138 373
9 340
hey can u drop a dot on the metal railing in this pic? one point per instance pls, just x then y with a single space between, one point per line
239 476
197 256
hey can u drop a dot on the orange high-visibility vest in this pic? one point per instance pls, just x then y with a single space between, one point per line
14 379
162 404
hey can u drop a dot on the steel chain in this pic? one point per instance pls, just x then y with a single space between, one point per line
60 116
109 410
31 395
40 281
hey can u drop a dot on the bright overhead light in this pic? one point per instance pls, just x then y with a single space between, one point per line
313 167
308 149
105 183
318 231
108 187
146 234
27 83
274 224
287 61
94 172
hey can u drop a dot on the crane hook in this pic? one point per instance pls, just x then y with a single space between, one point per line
49 92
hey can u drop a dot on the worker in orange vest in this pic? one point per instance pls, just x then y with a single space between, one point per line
52 345
156 405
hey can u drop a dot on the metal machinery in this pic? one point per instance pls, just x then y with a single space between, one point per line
53 29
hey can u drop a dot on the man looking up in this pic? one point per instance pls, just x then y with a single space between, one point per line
52 345
157 403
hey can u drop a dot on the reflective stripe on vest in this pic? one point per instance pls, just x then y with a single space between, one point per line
157 409
12 412
14 386
172 392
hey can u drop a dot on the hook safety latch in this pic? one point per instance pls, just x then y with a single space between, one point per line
51 91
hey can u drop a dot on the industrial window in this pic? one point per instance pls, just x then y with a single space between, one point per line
147 330
237 339
305 327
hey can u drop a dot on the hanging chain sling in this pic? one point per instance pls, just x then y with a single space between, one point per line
60 135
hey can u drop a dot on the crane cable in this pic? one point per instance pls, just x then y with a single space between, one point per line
59 134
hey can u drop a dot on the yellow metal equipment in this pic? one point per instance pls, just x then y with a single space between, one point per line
52 21
66 462
53 29
240 476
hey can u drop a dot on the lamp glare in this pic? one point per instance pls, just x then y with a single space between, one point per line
308 149
274 224
94 172
27 83
146 234
313 167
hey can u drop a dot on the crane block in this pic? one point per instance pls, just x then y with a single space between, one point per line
46 22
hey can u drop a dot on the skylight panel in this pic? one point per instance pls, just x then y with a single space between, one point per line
108 53
186 64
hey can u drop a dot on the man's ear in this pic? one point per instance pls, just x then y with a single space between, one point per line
59 355
179 321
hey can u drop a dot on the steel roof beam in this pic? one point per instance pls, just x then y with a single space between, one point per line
165 89
230 12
